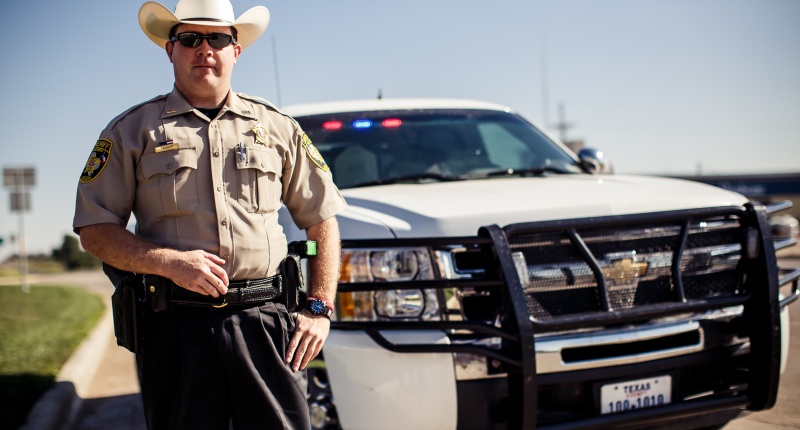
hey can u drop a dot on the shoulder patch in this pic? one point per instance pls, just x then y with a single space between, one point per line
98 160
314 154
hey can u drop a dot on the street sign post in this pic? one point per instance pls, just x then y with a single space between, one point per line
18 179
15 177
20 202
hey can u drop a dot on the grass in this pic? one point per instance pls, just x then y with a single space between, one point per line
36 265
38 333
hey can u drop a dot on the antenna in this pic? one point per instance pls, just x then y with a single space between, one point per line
277 77
380 94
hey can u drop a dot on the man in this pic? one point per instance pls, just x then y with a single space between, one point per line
204 170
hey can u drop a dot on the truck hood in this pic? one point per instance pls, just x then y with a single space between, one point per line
461 208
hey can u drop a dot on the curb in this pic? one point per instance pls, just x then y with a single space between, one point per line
58 408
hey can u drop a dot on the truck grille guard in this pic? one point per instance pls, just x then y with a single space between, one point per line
602 292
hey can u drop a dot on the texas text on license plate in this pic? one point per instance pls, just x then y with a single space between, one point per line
638 394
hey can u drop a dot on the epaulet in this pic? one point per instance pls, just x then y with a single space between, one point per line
266 103
119 117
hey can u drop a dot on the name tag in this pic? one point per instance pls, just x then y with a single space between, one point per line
169 147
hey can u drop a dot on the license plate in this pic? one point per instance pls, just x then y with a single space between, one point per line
638 394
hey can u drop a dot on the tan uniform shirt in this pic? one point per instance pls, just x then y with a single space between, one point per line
214 184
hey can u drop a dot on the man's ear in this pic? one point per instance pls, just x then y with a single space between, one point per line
169 47
237 51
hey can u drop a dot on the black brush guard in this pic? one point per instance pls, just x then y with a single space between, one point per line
516 327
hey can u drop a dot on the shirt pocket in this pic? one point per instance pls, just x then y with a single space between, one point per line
259 174
171 180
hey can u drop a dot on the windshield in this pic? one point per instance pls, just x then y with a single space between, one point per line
369 148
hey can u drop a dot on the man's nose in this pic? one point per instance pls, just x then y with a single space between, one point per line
204 48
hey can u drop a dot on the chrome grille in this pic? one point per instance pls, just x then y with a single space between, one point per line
636 263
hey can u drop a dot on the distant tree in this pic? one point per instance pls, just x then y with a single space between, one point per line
71 255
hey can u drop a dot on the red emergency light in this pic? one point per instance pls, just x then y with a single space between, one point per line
332 125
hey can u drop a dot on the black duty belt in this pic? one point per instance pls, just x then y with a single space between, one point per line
239 292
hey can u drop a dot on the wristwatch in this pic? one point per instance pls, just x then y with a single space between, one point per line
319 307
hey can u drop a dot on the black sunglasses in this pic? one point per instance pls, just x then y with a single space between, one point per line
193 40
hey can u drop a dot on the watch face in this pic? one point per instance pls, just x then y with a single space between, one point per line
318 307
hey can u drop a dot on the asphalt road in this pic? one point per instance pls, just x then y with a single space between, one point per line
786 413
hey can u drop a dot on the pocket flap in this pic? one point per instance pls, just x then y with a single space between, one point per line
166 163
261 160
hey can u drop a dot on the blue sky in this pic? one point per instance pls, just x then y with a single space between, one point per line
663 87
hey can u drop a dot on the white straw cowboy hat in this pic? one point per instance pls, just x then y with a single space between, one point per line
157 21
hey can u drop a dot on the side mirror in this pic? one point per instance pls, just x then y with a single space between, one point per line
594 161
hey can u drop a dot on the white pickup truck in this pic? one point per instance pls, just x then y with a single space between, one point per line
492 279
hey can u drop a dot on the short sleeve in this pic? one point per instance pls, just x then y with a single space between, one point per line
308 189
107 184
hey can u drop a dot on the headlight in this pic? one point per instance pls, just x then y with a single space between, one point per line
387 265
394 265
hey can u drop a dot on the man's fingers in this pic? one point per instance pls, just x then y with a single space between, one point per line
292 346
216 259
310 354
203 287
299 356
219 278
212 289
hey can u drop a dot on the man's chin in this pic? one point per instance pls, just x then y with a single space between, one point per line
207 79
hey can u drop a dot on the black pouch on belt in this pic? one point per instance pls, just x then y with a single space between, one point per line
159 289
125 307
293 279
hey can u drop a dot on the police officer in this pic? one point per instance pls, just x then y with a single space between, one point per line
204 170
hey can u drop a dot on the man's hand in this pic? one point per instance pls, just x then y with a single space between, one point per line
309 335
201 272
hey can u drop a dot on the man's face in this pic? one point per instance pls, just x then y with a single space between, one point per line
202 71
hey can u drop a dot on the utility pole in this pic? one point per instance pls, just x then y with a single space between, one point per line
18 179
277 77
545 87
562 125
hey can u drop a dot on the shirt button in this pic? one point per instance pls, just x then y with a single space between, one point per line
169 165
219 188
224 222
225 257
216 153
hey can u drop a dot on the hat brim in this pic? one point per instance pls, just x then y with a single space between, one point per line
157 21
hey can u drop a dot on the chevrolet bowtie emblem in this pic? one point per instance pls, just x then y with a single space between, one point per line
624 271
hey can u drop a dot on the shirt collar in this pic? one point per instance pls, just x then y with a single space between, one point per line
238 106
177 105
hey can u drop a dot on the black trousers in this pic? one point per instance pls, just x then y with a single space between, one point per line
206 368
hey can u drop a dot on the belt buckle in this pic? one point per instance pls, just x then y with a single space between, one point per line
224 303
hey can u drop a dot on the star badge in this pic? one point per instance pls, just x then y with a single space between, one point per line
261 133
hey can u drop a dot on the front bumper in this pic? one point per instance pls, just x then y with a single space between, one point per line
735 365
